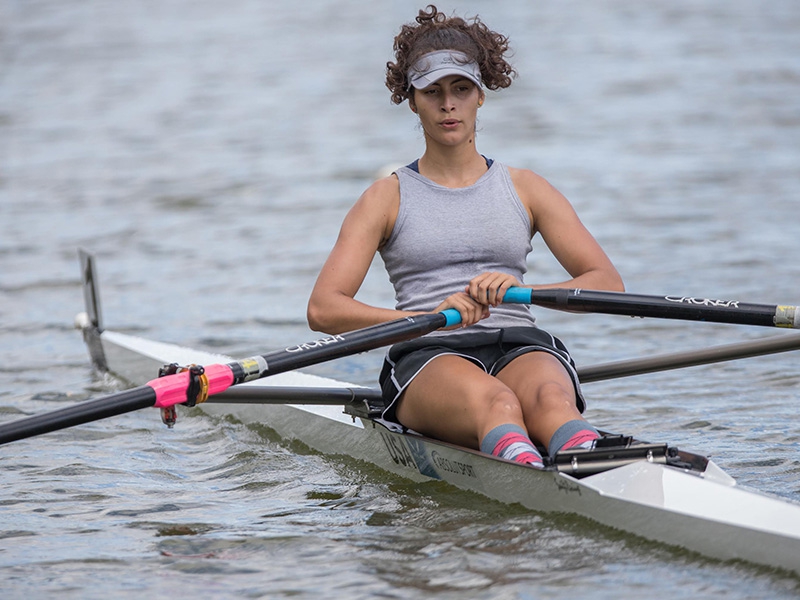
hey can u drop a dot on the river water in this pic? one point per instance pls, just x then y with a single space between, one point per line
206 152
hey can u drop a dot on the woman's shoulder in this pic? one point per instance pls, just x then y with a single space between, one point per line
377 207
383 190
525 178
538 195
531 187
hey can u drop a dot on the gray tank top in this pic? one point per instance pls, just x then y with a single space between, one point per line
444 237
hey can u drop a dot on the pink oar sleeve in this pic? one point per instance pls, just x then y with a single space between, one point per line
171 390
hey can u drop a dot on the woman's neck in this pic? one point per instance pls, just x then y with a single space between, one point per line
452 167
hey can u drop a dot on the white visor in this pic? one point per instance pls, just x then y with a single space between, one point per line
431 67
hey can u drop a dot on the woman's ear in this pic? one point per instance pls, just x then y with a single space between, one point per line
411 104
481 98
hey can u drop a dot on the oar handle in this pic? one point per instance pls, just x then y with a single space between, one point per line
517 295
452 315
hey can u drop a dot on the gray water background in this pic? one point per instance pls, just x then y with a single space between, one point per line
207 152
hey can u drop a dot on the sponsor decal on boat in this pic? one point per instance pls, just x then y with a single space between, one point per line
568 487
418 451
452 466
408 452
398 451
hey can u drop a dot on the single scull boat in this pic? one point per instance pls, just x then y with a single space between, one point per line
650 490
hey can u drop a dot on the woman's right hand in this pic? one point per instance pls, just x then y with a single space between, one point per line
470 310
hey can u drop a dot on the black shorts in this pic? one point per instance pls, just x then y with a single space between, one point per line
490 350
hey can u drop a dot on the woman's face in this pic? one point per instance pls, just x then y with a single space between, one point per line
448 109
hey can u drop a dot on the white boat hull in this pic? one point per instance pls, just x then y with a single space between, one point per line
705 512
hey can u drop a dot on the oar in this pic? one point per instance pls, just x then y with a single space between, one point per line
195 385
277 394
678 360
600 372
661 307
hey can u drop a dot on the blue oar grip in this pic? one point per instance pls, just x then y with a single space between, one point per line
452 315
513 295
517 295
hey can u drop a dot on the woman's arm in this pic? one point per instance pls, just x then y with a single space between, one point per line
332 307
567 238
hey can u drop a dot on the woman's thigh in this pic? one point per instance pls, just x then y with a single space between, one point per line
455 400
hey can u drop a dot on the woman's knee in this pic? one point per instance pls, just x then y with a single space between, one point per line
551 396
503 402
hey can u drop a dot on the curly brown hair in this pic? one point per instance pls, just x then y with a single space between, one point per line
434 30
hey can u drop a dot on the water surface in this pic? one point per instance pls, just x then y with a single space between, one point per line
207 153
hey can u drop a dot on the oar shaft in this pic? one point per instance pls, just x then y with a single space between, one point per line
269 394
678 360
337 346
78 414
662 307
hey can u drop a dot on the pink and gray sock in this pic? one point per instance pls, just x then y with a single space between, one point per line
572 434
512 443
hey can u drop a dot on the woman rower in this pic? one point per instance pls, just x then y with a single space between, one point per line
454 229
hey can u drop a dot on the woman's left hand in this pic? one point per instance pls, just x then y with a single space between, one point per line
489 288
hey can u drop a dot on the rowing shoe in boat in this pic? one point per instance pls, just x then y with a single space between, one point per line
651 490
